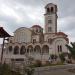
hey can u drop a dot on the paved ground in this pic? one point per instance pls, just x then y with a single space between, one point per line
55 72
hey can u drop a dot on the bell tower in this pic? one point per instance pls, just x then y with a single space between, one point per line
50 18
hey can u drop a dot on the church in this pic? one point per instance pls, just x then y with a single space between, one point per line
33 42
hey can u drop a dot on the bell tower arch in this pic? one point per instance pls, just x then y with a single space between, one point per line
50 18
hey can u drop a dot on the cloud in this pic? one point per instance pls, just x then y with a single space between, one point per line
25 13
67 25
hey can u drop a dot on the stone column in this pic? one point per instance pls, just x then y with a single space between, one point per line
41 54
29 51
50 50
26 51
19 49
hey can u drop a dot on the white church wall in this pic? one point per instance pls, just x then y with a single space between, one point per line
62 42
22 35
47 36
36 37
53 24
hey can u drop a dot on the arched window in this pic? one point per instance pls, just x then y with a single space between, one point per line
52 9
36 30
60 48
37 49
10 48
16 50
48 10
34 41
22 50
45 49
30 49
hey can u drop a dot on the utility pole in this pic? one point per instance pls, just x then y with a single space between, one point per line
2 50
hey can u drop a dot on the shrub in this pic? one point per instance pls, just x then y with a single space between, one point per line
6 70
62 57
29 71
38 63
53 56
47 63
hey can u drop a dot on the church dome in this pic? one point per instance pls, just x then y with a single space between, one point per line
36 26
37 29
22 34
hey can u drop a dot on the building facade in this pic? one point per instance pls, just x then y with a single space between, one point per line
32 42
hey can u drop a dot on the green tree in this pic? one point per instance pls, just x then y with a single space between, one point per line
53 56
72 49
28 70
6 70
38 63
62 57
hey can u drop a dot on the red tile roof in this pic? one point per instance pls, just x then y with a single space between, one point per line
61 33
36 26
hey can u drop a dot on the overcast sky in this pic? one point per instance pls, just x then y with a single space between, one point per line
25 13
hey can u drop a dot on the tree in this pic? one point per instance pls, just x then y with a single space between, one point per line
53 56
62 57
38 63
28 70
6 70
72 49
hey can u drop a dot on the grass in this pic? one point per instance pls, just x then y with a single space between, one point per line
44 65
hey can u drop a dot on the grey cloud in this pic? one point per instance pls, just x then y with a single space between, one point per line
66 8
30 12
68 23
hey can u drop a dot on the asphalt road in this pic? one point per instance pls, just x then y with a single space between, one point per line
57 71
